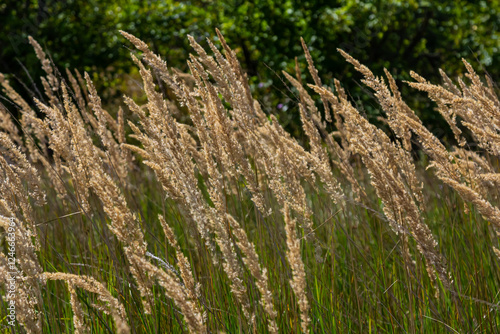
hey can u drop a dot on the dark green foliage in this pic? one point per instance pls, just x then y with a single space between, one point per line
421 35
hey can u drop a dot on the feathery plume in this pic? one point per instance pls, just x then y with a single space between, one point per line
298 281
111 304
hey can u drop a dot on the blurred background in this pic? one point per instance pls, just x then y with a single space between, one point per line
399 35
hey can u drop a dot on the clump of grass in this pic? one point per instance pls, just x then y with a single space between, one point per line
225 222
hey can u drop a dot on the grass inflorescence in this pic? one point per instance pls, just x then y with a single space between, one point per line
143 220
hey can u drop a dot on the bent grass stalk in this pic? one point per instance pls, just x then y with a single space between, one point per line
245 203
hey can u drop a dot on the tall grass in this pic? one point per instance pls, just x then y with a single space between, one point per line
224 222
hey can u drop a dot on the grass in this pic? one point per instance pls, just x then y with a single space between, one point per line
230 159
360 286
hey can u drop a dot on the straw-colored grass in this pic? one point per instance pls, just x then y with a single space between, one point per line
224 222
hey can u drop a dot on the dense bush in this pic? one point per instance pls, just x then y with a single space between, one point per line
422 35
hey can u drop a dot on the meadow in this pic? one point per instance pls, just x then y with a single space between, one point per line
189 208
